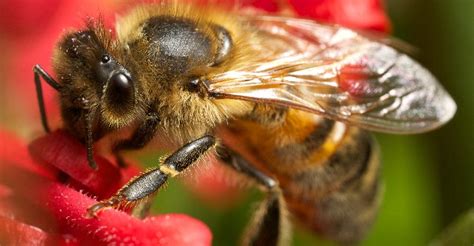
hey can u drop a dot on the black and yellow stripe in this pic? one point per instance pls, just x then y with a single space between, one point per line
328 172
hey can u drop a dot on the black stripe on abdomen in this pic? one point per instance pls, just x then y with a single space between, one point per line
298 151
347 162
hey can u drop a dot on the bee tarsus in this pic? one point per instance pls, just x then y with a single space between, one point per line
146 184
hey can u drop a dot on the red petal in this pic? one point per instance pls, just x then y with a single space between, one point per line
13 232
24 203
66 207
267 5
64 152
113 226
13 150
359 14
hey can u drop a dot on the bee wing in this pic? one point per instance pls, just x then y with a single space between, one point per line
338 73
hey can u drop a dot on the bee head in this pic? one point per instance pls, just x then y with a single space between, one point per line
88 64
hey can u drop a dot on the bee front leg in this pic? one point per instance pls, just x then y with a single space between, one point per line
39 73
142 135
144 185
270 225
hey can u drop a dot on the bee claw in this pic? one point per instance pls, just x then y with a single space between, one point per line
93 210
93 165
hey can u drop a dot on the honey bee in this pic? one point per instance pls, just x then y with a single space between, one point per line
290 100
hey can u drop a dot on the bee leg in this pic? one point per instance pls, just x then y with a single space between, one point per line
39 73
146 184
270 225
89 139
142 135
142 209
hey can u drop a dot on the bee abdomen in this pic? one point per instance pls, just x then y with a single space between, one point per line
328 171
340 197
305 149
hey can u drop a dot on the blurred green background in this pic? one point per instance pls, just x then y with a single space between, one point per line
429 178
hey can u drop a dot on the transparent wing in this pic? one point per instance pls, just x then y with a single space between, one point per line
337 73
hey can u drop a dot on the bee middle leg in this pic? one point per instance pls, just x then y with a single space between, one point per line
143 186
140 137
269 225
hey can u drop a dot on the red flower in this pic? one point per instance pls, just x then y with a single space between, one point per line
43 199
40 205
359 14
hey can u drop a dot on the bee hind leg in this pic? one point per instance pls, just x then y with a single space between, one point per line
146 184
140 137
270 225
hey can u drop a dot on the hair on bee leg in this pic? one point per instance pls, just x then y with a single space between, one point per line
39 73
269 225
142 208
147 183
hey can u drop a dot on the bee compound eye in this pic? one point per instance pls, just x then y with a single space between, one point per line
120 89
